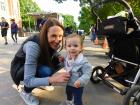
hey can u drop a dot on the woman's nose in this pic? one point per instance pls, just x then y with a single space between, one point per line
57 39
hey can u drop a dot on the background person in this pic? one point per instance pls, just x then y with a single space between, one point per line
68 30
79 68
4 28
38 22
14 30
93 33
39 68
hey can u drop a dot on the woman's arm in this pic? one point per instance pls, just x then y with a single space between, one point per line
32 52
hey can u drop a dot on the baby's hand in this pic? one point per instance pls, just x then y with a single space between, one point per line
61 58
77 84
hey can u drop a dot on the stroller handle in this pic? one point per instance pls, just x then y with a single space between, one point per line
123 2
131 16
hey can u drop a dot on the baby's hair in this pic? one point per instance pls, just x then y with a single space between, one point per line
74 35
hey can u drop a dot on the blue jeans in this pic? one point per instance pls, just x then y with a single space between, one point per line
42 71
76 93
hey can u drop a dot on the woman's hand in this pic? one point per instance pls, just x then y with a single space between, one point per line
59 78
77 84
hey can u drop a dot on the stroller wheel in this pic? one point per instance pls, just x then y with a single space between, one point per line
132 97
96 73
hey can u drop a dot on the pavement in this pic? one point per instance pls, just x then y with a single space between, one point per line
92 47
93 95
88 47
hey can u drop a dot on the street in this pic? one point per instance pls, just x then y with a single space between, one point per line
94 94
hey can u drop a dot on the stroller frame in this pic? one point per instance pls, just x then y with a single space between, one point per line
132 82
130 87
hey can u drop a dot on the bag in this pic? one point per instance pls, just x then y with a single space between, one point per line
17 64
17 70
113 27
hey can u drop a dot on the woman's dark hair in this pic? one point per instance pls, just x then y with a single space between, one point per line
44 44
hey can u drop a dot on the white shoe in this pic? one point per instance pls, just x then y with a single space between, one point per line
49 88
67 102
29 99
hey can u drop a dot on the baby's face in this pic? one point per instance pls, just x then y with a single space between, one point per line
73 47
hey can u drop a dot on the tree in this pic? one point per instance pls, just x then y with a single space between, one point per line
90 9
135 4
27 6
69 21
86 19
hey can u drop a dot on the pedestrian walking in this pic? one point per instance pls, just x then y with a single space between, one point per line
78 67
93 34
4 28
68 30
14 30
38 22
41 65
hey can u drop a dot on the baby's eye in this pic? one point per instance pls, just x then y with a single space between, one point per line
75 45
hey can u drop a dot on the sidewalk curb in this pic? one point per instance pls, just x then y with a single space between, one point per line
96 49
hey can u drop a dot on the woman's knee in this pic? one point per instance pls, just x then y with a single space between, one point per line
44 71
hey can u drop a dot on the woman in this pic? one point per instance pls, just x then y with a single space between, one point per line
39 68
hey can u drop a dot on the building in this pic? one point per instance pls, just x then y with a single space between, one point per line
10 9
44 16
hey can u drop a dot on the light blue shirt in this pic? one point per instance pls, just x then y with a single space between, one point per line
32 52
80 69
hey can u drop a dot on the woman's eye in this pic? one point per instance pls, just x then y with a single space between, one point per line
60 36
53 35
69 45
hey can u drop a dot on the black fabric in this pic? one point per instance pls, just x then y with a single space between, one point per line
126 48
113 26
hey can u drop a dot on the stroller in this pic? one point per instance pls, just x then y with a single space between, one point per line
122 73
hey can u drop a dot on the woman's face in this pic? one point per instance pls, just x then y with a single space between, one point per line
55 35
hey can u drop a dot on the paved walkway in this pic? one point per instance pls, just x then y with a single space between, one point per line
90 46
93 95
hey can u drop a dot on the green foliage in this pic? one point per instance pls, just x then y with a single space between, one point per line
86 19
135 4
28 6
108 9
69 21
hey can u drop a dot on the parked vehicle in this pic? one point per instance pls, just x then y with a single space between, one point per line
81 33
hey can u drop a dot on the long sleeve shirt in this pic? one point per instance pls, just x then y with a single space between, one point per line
80 69
32 52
